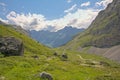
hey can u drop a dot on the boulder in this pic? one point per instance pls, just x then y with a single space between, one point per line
55 54
64 56
45 75
10 46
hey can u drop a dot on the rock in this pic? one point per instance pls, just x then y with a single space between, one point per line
55 54
10 46
35 57
64 56
104 63
45 75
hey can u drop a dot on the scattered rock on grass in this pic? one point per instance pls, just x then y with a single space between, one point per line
45 75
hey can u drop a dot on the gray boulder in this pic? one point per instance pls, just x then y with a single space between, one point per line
64 56
10 46
45 75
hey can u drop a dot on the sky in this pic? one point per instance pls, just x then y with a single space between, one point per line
50 15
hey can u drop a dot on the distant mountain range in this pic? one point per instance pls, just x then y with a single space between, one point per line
55 39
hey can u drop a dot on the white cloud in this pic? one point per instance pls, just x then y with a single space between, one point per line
28 21
5 21
103 3
70 9
69 1
2 4
80 19
85 4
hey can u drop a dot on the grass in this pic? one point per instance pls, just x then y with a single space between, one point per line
31 46
28 68
78 66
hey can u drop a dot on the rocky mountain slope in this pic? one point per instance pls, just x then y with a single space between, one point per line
104 32
55 39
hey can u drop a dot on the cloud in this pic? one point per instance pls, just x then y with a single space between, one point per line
69 1
70 9
79 19
103 3
85 4
27 21
2 4
76 17
3 8
5 21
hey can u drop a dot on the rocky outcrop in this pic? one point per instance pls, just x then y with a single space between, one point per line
10 46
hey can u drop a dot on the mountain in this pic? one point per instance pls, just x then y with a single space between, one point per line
55 39
58 64
103 33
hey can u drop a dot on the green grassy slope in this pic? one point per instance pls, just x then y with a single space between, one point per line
78 66
31 46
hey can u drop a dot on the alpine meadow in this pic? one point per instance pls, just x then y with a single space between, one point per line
60 40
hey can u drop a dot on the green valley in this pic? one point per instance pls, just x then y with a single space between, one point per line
78 66
93 54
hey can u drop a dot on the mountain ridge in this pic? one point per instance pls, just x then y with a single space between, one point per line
55 39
